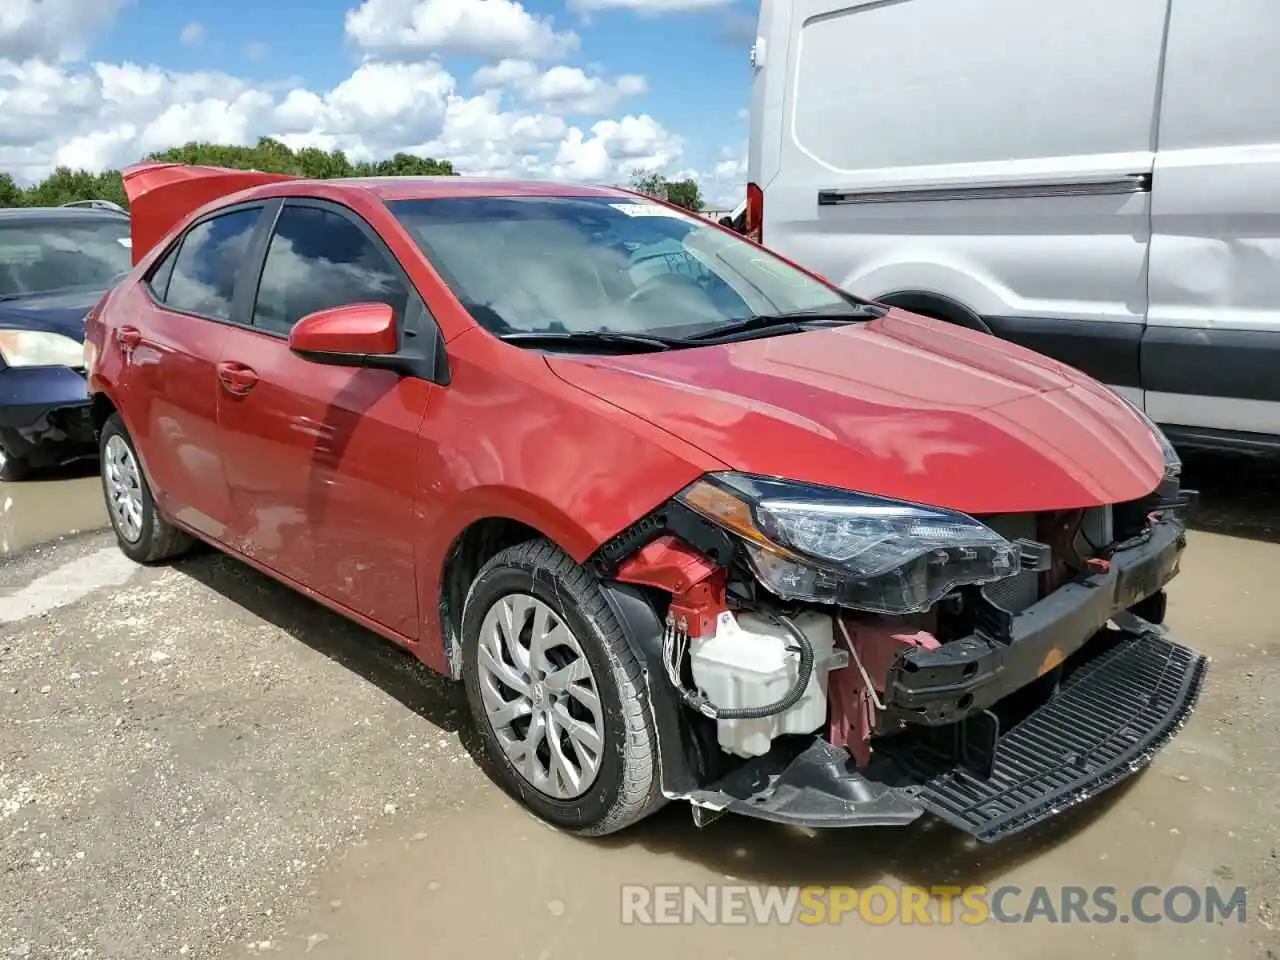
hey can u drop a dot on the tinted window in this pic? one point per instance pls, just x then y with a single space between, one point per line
572 264
319 259
209 262
159 281
40 256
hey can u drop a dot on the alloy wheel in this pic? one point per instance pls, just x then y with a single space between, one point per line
540 696
124 488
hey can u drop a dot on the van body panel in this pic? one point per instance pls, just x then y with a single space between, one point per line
1103 189
904 180
1211 355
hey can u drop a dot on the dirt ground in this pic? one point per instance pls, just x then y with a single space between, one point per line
196 762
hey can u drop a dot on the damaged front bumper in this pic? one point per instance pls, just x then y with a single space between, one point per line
985 745
45 415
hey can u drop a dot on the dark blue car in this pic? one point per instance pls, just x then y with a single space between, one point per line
55 264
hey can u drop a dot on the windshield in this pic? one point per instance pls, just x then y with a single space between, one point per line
41 256
604 264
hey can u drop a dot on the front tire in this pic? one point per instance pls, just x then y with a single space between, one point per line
144 536
557 694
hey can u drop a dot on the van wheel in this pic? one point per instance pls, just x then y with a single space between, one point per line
144 536
557 694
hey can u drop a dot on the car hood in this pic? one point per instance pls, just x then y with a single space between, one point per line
901 406
50 313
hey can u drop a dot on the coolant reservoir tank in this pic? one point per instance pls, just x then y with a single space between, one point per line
748 663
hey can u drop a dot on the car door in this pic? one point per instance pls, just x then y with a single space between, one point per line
168 388
319 458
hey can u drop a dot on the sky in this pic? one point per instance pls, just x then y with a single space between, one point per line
589 90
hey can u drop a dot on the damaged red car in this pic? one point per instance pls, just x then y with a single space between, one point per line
689 522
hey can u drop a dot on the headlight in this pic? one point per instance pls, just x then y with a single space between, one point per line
32 348
832 546
1172 462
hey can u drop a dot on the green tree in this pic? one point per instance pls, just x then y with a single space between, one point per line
11 195
650 183
268 155
685 193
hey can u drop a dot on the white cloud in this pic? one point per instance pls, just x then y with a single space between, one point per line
256 50
561 89
616 148
647 7
726 183
480 28
504 73
109 115
52 29
192 34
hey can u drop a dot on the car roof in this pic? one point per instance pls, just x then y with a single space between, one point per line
60 214
430 188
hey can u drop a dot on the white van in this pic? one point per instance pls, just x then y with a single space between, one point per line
1098 181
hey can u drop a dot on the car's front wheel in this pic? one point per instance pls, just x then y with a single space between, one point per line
557 693
142 533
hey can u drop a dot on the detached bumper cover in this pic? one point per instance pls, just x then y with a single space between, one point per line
1100 729
1118 703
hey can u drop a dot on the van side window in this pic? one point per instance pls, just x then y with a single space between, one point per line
319 259
208 263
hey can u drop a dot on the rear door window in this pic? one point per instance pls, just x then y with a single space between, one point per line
209 262
320 259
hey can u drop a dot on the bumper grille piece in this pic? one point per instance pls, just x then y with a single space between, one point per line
1103 726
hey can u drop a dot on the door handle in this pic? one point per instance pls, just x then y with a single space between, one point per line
236 378
128 337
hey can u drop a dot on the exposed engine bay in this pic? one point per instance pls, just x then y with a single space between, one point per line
830 660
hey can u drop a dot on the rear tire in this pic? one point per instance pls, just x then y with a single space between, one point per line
143 535
542 708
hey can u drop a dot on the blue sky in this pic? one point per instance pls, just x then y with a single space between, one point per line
692 56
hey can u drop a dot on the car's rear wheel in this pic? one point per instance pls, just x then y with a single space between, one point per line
557 693
142 533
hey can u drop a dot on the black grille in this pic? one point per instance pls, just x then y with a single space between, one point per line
1103 726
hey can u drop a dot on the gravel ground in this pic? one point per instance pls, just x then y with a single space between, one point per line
197 762
175 764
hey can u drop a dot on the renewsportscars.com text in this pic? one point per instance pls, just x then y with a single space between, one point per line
970 906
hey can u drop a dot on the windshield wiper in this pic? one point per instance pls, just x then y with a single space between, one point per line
590 338
789 322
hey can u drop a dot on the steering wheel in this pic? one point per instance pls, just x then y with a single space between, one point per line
662 281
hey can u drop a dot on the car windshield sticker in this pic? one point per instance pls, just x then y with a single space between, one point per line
647 210
125 241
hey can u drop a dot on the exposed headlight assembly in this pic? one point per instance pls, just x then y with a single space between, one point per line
825 545
35 348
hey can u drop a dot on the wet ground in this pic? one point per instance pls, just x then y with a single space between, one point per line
195 761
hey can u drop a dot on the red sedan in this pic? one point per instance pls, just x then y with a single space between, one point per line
688 521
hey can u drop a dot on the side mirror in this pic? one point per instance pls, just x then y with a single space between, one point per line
346 336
